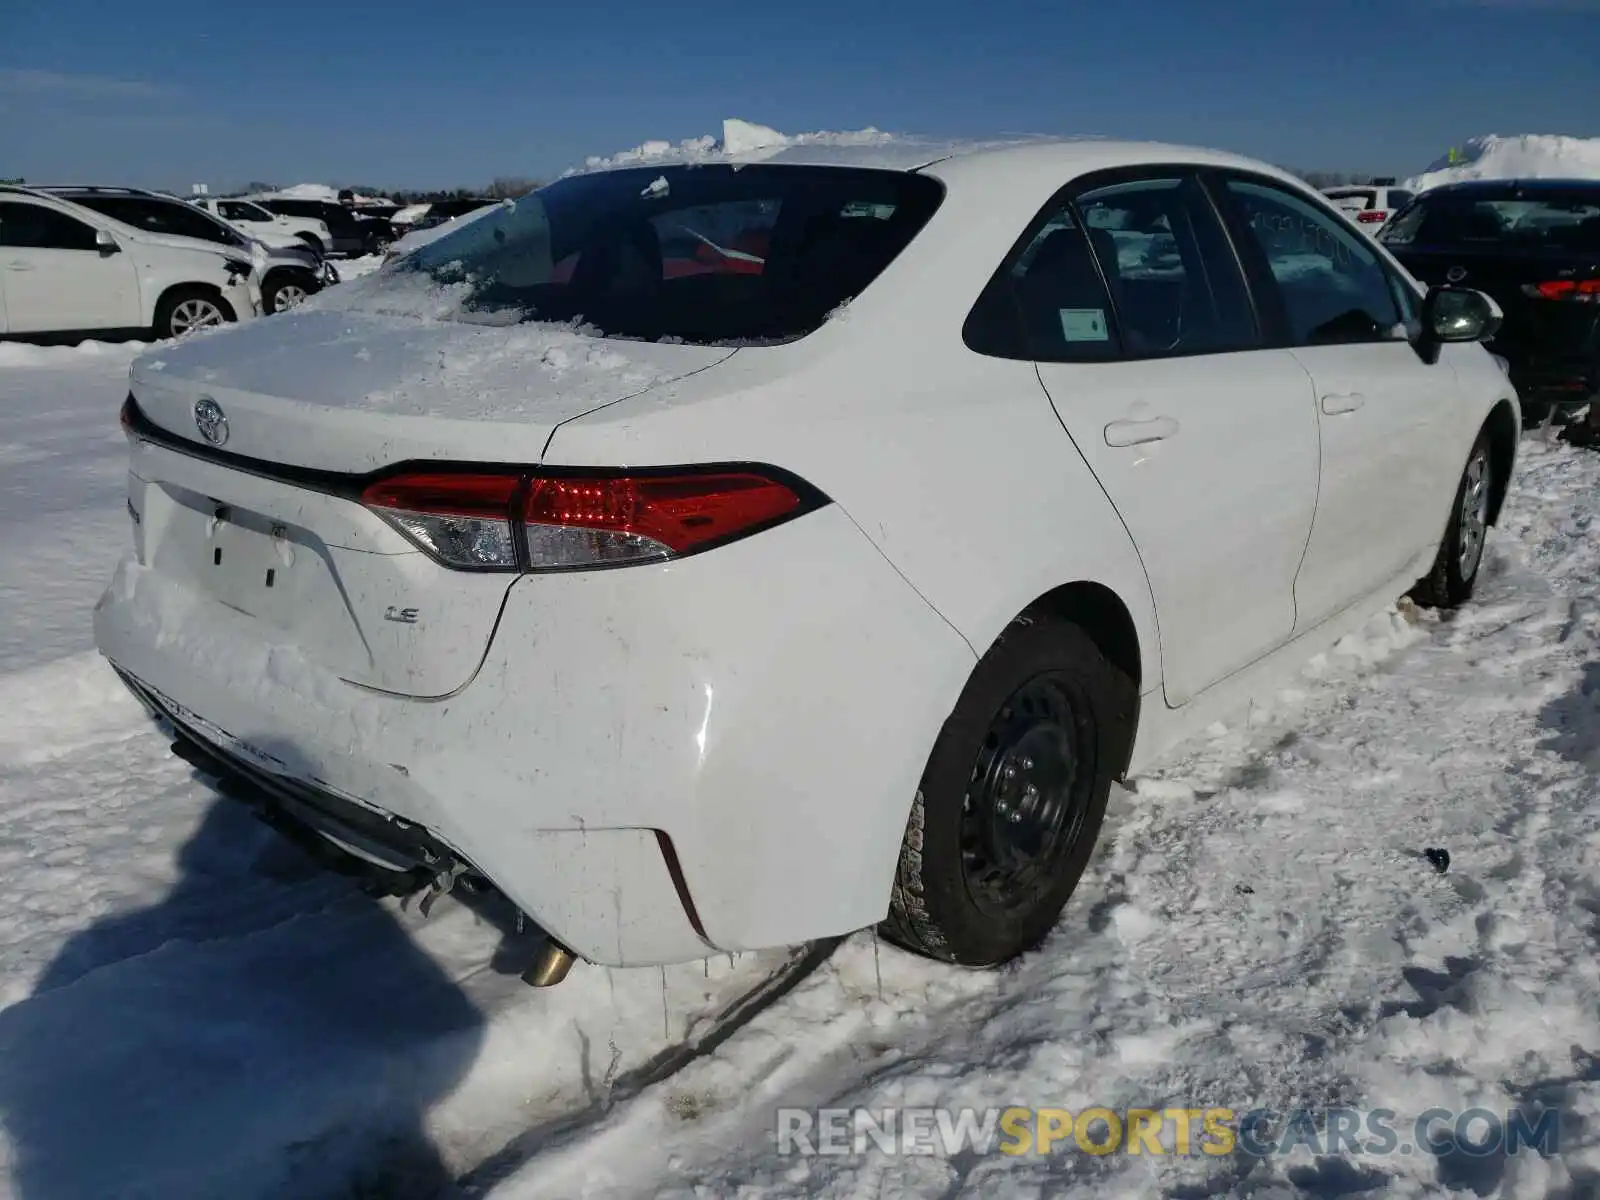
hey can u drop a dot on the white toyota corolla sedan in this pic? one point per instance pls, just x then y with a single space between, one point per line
719 555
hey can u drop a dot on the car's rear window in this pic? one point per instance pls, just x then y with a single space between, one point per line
1567 220
706 254
1353 199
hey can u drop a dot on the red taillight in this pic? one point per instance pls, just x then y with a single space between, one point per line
680 512
1372 216
569 522
446 494
1581 290
125 416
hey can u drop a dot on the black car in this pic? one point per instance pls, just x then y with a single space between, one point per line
351 233
1534 245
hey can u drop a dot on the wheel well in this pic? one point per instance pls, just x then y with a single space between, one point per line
210 289
1501 428
1100 613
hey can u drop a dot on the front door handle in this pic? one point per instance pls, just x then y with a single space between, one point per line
1337 403
1137 433
19 266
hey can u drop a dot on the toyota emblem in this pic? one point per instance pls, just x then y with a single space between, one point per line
1456 274
210 420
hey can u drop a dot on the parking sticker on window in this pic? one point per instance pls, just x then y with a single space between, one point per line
1083 324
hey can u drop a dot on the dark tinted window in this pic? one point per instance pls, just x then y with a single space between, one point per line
1547 218
239 210
160 216
337 219
1333 287
1175 285
40 228
1059 296
1398 199
706 254
1353 199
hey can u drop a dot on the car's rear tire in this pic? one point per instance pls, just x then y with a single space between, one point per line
1455 569
1013 796
314 244
186 309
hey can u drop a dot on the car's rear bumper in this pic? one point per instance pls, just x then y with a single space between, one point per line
1556 384
654 763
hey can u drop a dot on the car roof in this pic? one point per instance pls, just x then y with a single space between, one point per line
1026 154
1518 185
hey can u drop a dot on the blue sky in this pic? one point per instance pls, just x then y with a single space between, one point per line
426 94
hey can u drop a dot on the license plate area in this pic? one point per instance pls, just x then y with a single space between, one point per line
263 567
251 565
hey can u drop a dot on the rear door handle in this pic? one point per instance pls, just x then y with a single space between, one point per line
1137 433
19 266
1337 403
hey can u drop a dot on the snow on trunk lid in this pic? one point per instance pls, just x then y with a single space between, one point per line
351 392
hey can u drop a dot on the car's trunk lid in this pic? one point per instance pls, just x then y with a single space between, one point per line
1534 328
351 392
267 523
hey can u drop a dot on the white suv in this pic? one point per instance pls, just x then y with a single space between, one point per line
66 269
275 229
1370 205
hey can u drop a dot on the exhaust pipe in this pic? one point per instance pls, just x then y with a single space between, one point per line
550 967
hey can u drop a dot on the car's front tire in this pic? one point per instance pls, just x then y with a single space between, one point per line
186 309
1455 569
286 290
1013 796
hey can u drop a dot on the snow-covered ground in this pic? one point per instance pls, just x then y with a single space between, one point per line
355 268
188 1008
1526 156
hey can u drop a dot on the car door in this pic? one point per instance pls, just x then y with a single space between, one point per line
249 216
58 277
1145 337
1383 411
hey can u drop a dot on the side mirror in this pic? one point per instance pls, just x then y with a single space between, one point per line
1458 314
105 243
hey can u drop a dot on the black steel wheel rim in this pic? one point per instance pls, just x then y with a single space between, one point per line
1028 795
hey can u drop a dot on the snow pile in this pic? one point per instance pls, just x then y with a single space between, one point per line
740 139
320 191
1525 156
22 354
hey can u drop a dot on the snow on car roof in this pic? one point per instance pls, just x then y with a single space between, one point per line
743 142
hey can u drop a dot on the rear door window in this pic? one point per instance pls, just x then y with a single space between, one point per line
34 227
1175 284
1060 296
